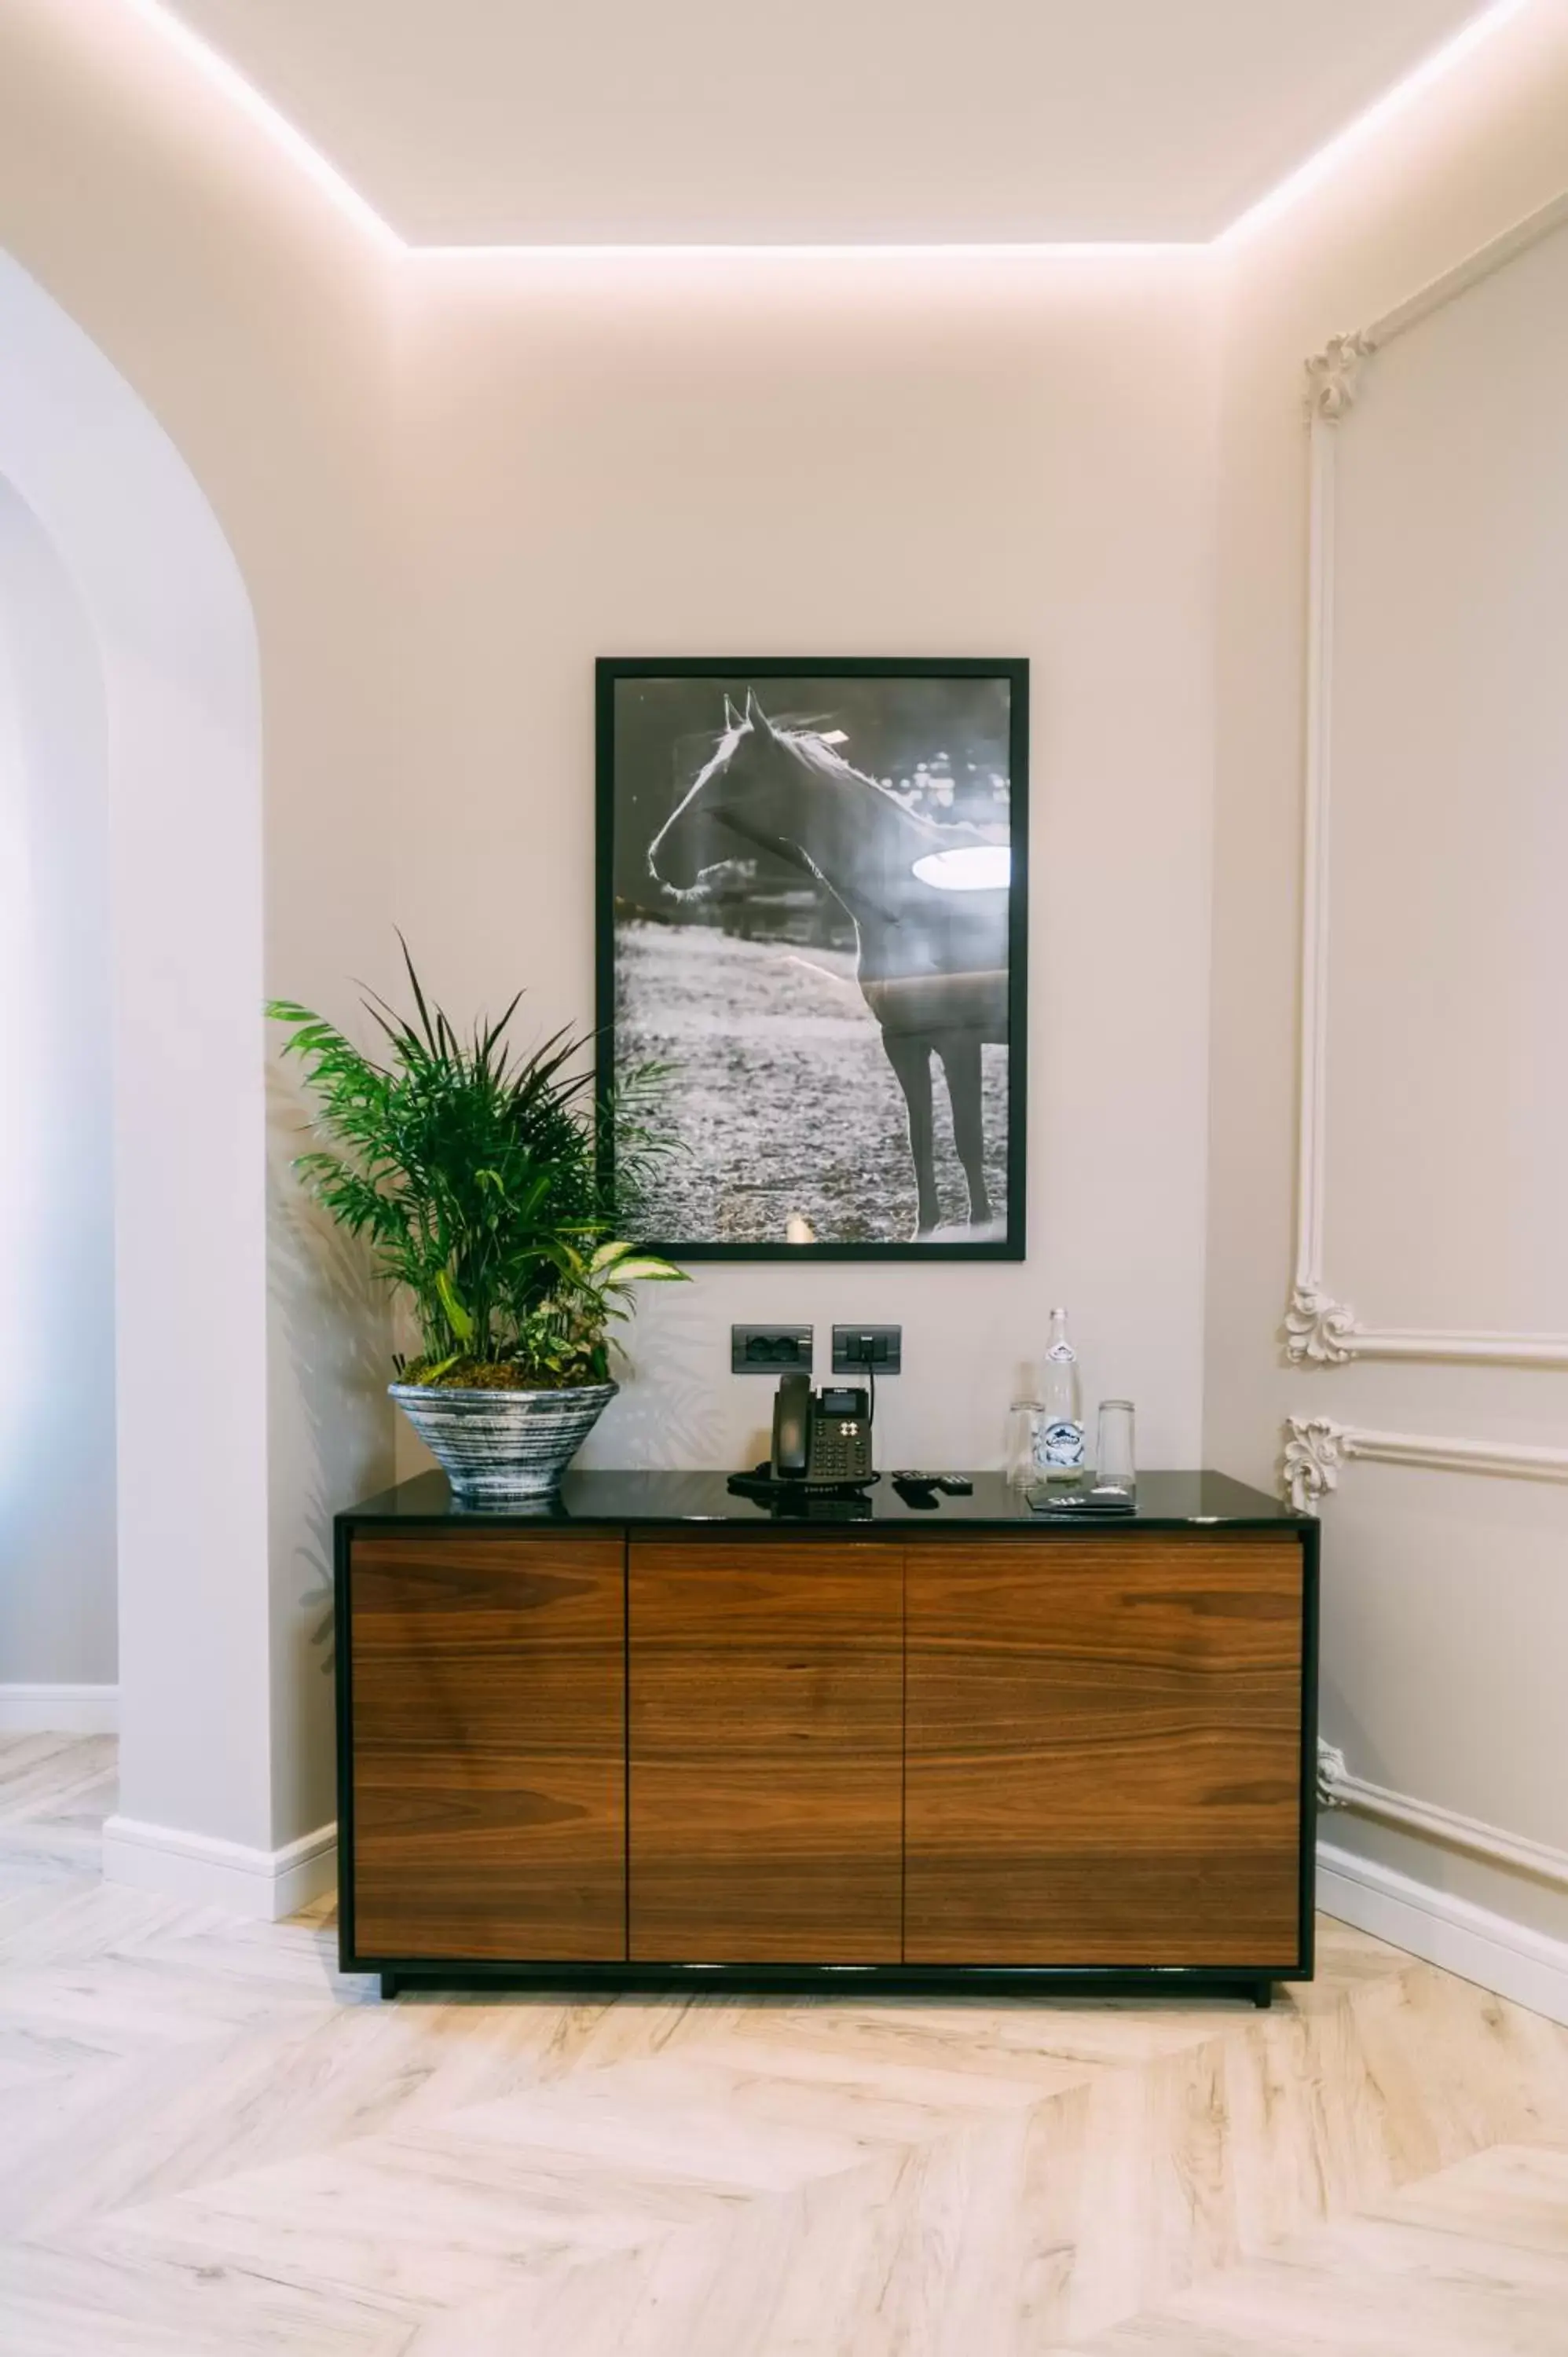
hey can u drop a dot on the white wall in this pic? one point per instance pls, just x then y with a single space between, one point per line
1449 953
798 458
159 627
1447 1147
446 496
57 1609
248 331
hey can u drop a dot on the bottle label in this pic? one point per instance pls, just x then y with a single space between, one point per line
1061 1443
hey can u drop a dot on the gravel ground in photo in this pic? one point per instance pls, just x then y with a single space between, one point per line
782 1095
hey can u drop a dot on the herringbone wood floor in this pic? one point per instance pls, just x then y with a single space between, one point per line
211 2143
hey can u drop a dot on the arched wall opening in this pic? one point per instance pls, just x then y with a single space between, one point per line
58 1605
112 517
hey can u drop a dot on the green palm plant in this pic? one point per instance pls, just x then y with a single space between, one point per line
474 1175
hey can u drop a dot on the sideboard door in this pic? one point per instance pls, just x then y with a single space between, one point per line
766 1766
488 1729
1104 1750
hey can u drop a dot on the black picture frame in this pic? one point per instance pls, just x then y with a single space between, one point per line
730 674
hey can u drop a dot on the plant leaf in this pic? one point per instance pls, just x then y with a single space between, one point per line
473 1175
457 1318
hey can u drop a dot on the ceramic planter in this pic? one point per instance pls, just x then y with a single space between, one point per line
498 1445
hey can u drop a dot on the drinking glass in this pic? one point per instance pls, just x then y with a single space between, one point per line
1023 1431
1115 1467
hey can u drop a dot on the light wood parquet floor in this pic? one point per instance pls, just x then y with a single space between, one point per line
210 2144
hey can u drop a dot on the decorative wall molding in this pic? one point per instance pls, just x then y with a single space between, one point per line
1316 1446
58 1710
1339 1789
210 1872
1320 1330
1330 1778
1333 373
1310 1466
1517 1962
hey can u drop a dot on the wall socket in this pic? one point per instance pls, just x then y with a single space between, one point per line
856 1347
769 1349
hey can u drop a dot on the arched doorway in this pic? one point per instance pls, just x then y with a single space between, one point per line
163 608
58 1605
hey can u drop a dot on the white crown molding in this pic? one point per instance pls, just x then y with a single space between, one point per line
211 1872
1316 1446
1321 1330
58 1709
1339 1789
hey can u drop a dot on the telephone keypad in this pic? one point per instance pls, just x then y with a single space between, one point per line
839 1451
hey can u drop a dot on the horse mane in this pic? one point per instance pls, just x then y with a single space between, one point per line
813 751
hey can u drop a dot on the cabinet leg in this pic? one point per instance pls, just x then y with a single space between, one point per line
1262 1993
389 1984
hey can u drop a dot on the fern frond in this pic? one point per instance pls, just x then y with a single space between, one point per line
473 1175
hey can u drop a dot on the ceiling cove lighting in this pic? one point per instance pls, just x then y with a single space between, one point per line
231 85
1012 250
234 86
1325 160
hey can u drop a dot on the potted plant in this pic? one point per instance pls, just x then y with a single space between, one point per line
474 1175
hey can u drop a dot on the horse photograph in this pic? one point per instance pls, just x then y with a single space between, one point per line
812 939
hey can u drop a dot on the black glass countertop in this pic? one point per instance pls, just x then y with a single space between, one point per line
1164 1502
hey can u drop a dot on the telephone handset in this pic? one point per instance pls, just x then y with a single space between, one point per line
820 1438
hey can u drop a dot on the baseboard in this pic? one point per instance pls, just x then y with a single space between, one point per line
1527 1967
58 1710
269 1884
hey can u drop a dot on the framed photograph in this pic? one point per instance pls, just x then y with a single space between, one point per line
812 919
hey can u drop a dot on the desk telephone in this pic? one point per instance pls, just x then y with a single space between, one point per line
820 1438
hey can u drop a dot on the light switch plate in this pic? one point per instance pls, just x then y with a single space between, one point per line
856 1347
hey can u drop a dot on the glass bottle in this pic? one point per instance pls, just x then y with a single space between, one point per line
1058 1455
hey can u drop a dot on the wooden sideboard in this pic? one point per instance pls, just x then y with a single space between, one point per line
657 1736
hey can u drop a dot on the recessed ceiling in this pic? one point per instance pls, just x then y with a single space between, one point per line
819 122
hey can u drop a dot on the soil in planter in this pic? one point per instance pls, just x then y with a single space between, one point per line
497 1376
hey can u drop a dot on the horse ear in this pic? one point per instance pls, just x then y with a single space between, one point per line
755 716
732 718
